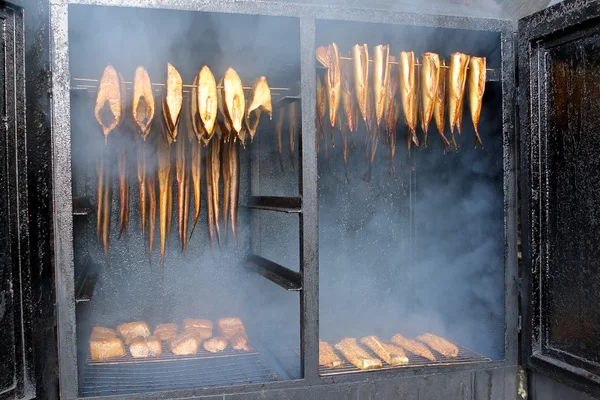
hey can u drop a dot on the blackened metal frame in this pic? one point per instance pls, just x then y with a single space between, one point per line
311 385
566 21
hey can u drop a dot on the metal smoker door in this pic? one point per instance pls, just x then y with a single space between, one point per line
16 354
559 99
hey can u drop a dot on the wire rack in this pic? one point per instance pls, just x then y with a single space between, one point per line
465 356
168 356
170 372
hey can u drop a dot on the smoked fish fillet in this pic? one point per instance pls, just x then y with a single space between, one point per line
356 355
413 346
327 356
391 355
441 345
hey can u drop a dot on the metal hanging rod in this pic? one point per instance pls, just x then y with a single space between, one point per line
162 84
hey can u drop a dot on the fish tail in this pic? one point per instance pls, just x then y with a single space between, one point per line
477 139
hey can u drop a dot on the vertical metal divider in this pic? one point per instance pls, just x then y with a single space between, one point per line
254 178
307 189
62 199
510 145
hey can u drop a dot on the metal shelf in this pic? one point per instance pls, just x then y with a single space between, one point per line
284 101
273 203
82 206
284 277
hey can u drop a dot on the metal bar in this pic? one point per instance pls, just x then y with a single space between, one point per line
284 277
309 219
82 206
510 145
279 89
62 200
284 101
274 203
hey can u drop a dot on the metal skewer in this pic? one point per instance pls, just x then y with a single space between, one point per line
161 84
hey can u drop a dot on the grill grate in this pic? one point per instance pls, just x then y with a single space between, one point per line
168 356
465 356
128 376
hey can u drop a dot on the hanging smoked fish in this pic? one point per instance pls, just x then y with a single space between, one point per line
477 75
233 97
392 111
206 101
215 159
201 136
440 107
430 75
172 102
164 188
183 176
234 187
457 77
109 111
381 73
408 93
260 101
143 115
360 57
225 146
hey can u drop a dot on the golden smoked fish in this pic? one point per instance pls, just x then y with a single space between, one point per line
409 94
233 96
164 189
196 171
183 179
439 108
457 77
321 103
392 112
413 347
173 102
224 121
197 124
260 102
108 109
215 149
356 355
329 56
234 187
381 74
430 75
441 345
209 195
143 102
388 353
477 75
143 115
226 182
348 96
206 100
360 58
327 356
123 188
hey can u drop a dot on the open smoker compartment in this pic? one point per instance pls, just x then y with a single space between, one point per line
292 224
422 249
129 284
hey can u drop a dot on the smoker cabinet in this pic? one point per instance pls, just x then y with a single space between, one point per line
543 308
